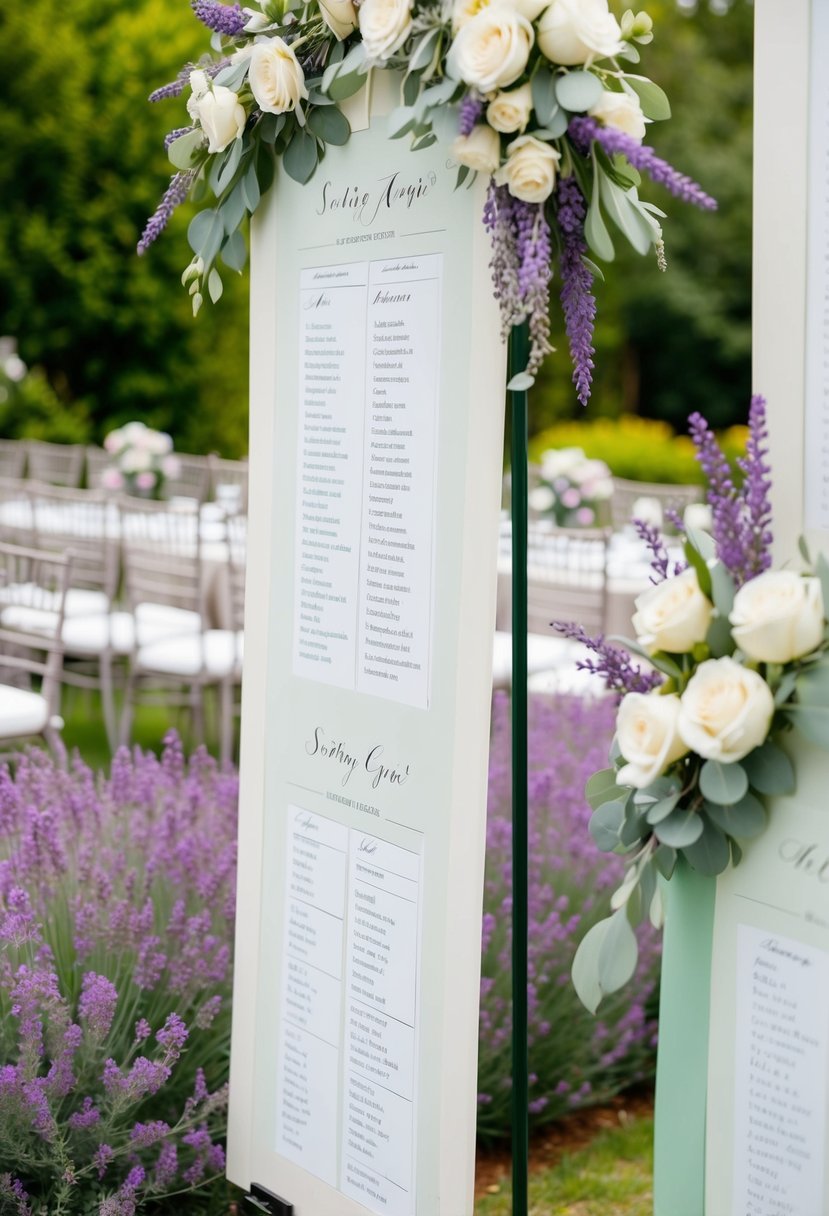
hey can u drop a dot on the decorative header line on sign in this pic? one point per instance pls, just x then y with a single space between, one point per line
536 95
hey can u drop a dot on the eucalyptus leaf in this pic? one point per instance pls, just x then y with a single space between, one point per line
622 210
653 100
426 141
595 229
233 75
228 169
722 588
664 859
822 571
602 787
662 809
680 829
812 721
635 828
769 769
606 824
233 208
215 286
710 853
463 174
235 252
723 783
813 686
346 85
719 639
785 688
250 188
593 268
804 550
269 126
183 151
422 51
578 91
746 818
350 63
330 125
411 88
585 969
520 382
543 88
699 563
554 128
317 98
301 157
661 787
618 953
401 121
205 234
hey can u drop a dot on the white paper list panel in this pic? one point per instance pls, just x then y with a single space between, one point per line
377 398
816 422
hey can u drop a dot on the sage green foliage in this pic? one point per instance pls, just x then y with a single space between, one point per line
82 169
612 1176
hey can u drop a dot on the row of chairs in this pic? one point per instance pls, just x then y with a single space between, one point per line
134 605
202 478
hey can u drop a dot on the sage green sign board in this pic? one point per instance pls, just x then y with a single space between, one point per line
377 396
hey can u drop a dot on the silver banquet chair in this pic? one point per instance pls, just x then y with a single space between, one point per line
674 498
57 464
12 458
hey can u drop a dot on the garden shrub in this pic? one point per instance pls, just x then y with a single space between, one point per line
575 1059
641 449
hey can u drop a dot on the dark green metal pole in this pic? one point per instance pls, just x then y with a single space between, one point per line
519 353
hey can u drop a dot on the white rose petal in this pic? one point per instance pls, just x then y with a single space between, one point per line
199 83
579 31
276 77
530 169
384 25
622 111
647 735
222 117
491 50
778 616
340 16
509 112
673 615
725 710
479 150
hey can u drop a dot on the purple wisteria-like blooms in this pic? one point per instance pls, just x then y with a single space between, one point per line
173 197
521 269
654 541
577 300
620 674
225 19
584 131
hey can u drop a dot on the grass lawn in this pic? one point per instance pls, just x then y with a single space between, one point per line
84 727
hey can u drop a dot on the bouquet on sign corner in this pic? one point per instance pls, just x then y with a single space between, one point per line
142 460
572 491
542 96
738 655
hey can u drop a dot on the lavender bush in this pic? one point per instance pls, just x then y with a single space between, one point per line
116 915
575 1059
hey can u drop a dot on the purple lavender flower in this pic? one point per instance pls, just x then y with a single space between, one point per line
620 674
97 1004
722 497
174 196
225 19
472 107
757 534
577 300
584 131
520 265
176 87
172 136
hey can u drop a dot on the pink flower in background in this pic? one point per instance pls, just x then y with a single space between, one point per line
145 480
171 466
112 479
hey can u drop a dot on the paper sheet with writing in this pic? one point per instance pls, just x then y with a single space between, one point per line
768 1076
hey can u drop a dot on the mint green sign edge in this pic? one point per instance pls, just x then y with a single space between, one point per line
682 1062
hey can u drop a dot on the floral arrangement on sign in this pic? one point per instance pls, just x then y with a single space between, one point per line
738 654
572 491
142 460
537 94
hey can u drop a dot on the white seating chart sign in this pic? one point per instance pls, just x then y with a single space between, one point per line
377 391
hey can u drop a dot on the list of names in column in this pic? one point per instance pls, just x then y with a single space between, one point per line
403 359
309 1054
780 1076
382 983
816 424
332 303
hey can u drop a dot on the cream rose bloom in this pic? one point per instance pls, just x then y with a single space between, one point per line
276 77
622 111
725 711
673 615
479 150
578 31
385 26
491 50
530 170
778 616
465 10
647 735
340 16
222 117
509 112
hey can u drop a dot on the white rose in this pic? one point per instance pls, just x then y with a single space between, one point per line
778 616
385 26
530 170
340 16
579 31
136 460
560 462
479 150
491 50
673 615
508 112
199 83
158 442
646 731
465 10
276 78
222 117
622 111
725 711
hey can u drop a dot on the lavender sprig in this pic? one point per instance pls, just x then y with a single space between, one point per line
176 87
577 300
612 663
723 499
174 195
172 136
584 131
225 19
521 269
757 535
472 108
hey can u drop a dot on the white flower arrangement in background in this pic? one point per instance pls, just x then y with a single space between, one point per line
572 491
142 461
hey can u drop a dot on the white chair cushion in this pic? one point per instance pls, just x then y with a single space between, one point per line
21 712
543 654
92 635
154 622
568 679
217 652
80 601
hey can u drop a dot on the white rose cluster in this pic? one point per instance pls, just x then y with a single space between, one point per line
384 26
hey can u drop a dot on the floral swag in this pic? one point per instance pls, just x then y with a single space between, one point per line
537 95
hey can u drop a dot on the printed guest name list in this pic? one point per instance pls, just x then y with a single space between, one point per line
369 359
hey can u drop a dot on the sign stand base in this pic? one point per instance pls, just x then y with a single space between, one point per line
264 1200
